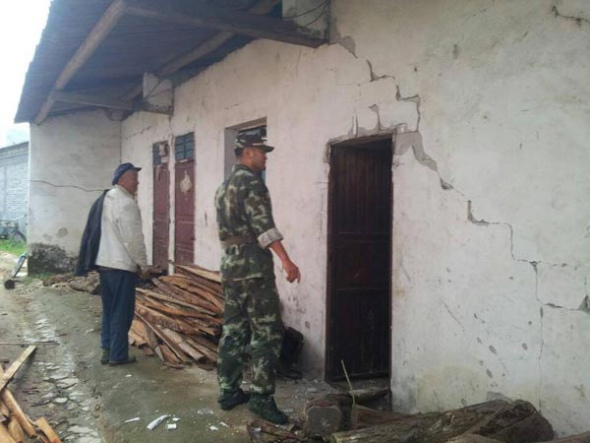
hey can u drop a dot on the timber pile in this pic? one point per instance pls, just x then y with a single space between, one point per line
180 318
15 425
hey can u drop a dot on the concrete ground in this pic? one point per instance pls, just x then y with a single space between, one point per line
87 402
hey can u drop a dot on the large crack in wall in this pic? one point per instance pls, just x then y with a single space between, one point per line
406 140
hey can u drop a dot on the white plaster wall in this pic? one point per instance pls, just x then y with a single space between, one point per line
72 159
486 295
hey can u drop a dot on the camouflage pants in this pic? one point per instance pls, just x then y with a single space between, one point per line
252 317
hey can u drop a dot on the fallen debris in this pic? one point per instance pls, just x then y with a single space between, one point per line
155 423
16 425
89 283
516 422
12 370
261 431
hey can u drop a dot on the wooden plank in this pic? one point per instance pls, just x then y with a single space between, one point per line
168 355
10 402
195 302
211 355
100 31
145 332
166 339
202 272
204 297
174 300
222 19
172 311
155 317
184 345
48 430
16 431
107 102
5 435
14 367
164 286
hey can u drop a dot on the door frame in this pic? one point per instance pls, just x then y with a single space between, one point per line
162 146
358 142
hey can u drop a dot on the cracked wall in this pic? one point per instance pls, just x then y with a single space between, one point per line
490 260
72 159
491 245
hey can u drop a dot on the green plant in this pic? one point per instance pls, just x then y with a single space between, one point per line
13 246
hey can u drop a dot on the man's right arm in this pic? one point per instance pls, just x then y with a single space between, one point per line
259 212
291 270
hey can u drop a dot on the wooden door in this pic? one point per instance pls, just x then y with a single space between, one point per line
161 216
359 272
184 226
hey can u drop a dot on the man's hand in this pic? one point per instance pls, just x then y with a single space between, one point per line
292 271
147 273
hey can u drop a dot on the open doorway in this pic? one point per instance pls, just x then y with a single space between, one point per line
359 259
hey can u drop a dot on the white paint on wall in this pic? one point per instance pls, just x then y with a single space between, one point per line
490 257
72 159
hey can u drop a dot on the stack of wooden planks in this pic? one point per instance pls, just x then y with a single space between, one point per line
180 319
15 425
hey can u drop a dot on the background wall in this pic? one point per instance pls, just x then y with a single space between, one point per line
14 184
72 160
491 234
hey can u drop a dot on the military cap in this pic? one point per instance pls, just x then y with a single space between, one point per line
249 140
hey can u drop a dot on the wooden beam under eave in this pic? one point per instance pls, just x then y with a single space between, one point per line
237 22
108 103
98 34
205 48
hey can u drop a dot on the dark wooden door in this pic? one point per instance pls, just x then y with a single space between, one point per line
360 260
184 200
161 225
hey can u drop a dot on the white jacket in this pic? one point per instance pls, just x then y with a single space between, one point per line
121 238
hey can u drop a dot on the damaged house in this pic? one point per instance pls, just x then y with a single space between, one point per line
430 172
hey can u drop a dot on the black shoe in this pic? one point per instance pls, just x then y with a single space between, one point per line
104 358
265 407
130 359
231 399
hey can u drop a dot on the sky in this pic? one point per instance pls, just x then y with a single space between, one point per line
21 24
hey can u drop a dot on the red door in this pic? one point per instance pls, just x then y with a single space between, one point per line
184 191
161 225
359 260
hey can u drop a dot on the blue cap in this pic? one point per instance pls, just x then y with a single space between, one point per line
122 169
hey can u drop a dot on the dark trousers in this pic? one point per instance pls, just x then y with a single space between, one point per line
118 305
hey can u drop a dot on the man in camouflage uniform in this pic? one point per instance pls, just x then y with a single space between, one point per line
252 317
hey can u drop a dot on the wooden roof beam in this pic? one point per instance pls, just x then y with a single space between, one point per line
202 16
105 102
100 31
205 48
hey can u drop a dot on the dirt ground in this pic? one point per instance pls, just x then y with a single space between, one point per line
87 402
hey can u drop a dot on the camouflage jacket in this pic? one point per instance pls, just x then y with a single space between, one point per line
244 210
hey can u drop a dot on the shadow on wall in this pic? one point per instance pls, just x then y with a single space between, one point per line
49 258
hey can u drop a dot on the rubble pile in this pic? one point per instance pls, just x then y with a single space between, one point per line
89 283
180 319
341 418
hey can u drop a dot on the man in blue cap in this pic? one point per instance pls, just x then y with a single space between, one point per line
121 256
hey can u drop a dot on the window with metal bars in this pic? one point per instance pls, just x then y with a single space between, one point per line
184 147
